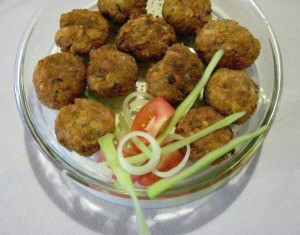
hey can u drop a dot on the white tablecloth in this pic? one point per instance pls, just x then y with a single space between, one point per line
263 199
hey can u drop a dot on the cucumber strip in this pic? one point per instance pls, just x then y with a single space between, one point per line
188 102
181 143
165 184
106 143
117 132
123 123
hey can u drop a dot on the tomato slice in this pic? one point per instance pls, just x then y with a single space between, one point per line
148 179
153 116
167 162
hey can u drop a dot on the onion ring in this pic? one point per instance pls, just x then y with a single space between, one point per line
150 165
129 106
176 169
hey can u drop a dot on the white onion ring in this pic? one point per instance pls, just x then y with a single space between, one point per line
98 170
150 165
175 170
138 95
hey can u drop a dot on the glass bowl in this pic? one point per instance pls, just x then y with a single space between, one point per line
38 42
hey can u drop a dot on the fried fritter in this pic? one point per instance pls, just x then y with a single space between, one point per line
240 47
187 16
145 37
198 119
59 79
111 73
232 91
81 31
176 75
79 125
119 11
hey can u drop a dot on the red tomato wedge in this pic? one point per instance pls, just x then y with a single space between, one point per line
148 179
167 162
153 116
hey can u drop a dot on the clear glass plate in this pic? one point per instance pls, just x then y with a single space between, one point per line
38 42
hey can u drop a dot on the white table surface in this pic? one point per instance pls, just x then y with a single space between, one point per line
263 199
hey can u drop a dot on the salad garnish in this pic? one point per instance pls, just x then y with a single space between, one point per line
165 184
188 140
153 139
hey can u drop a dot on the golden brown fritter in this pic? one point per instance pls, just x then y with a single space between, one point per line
145 37
232 91
187 16
198 119
119 11
81 31
176 75
79 125
111 73
59 79
240 47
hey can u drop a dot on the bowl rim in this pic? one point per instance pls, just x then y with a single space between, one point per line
211 182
